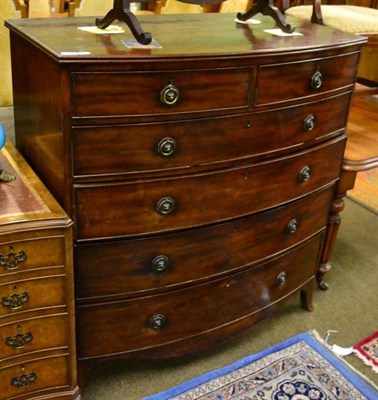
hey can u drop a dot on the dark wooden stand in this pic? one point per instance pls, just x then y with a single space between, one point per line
266 7
121 12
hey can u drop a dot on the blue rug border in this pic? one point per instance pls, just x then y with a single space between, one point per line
363 386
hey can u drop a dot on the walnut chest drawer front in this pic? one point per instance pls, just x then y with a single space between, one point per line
159 147
32 335
30 254
285 82
35 378
155 320
134 208
32 294
160 92
135 267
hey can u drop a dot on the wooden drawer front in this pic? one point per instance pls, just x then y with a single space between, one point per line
167 146
174 203
139 93
282 82
31 254
186 313
32 335
39 376
139 266
31 294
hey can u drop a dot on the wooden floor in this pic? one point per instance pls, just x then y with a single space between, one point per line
362 128
362 132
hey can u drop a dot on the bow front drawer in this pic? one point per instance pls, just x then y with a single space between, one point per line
155 320
158 205
173 260
292 81
160 92
204 143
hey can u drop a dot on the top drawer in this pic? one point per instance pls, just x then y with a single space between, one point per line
290 81
160 92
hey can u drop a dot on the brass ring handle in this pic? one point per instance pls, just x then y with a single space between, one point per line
15 301
169 95
19 341
157 321
309 123
165 206
281 278
316 80
292 226
160 263
305 174
24 380
12 260
166 147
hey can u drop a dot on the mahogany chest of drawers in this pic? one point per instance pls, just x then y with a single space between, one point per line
199 175
37 329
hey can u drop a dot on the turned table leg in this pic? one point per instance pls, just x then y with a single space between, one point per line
346 182
332 230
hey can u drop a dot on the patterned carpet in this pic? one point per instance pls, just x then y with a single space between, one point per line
301 368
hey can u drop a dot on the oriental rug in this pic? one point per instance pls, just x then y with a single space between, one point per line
301 368
367 350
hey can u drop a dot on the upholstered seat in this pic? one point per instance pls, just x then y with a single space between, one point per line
352 19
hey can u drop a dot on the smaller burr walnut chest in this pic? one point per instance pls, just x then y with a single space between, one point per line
37 340
199 175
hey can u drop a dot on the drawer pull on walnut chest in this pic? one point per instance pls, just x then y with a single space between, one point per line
316 80
166 147
19 341
169 94
281 278
160 263
309 123
15 301
24 380
157 321
165 206
305 174
12 260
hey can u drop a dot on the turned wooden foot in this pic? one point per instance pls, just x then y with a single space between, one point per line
323 269
307 296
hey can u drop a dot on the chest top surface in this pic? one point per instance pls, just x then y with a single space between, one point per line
189 35
25 200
